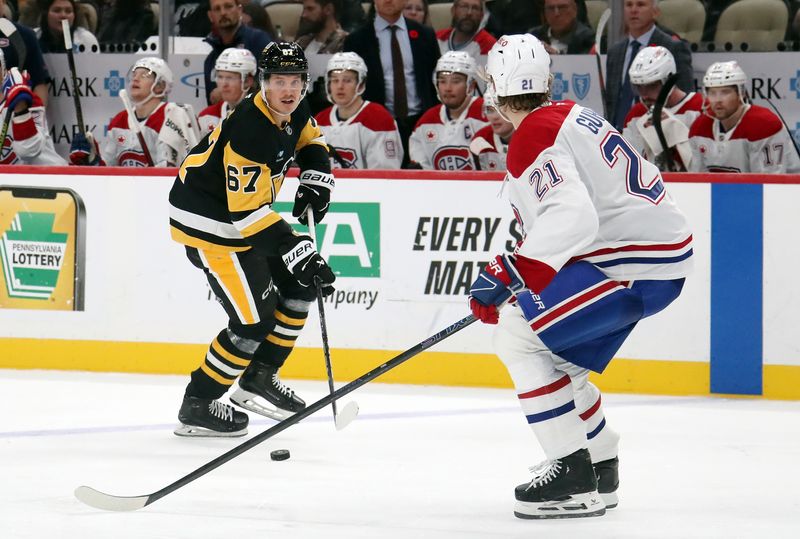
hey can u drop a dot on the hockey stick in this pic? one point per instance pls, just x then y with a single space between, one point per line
71 60
4 132
10 31
133 123
661 100
350 410
601 26
109 502
791 136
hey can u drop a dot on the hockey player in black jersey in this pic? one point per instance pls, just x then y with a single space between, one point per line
262 272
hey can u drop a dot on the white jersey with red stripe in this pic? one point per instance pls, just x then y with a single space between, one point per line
759 142
167 132
490 149
581 192
638 128
28 140
441 143
368 139
212 115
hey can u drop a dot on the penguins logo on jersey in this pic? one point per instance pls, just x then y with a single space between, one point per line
452 158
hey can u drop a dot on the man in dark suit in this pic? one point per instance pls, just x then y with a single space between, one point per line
406 90
640 17
562 32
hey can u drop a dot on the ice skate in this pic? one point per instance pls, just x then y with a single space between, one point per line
561 488
607 472
261 391
210 418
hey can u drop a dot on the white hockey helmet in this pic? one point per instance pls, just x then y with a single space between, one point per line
346 61
518 64
160 71
722 74
652 64
489 100
456 62
236 60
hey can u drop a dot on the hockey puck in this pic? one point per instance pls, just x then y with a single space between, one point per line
279 454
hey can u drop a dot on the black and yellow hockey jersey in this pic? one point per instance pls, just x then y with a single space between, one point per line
222 197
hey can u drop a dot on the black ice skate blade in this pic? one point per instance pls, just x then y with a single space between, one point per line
192 431
561 514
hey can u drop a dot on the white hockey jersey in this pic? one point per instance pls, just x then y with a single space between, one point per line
168 133
440 143
212 115
641 134
28 140
368 139
489 149
581 192
758 143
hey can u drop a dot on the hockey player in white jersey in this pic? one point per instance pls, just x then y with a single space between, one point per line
490 143
604 245
441 138
648 73
736 135
234 72
27 139
167 128
361 134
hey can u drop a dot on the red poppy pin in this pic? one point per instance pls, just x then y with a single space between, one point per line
413 34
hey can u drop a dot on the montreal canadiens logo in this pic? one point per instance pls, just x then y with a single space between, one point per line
131 158
452 158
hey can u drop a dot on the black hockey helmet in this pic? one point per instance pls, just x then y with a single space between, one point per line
284 58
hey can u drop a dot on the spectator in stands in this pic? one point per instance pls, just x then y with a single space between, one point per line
361 134
417 10
50 33
649 71
167 129
34 62
227 31
234 73
640 17
319 31
562 32
127 21
735 135
191 18
405 85
255 16
442 136
467 33
27 141
490 143
516 16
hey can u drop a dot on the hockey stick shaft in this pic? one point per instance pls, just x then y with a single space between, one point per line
598 38
4 132
109 502
661 100
778 113
76 98
133 123
323 325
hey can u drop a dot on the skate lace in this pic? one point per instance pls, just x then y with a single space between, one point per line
280 387
220 410
543 473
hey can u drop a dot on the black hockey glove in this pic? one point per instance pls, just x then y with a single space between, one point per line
305 263
315 191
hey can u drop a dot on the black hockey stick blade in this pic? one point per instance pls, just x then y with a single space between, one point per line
661 100
109 502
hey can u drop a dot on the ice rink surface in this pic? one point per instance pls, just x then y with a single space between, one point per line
419 462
